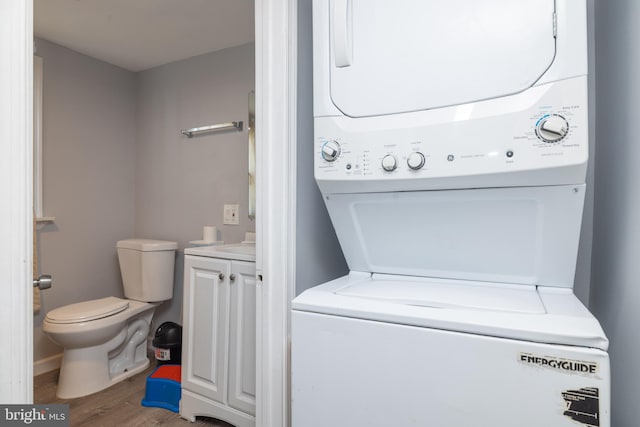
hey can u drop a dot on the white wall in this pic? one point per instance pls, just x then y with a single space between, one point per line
616 237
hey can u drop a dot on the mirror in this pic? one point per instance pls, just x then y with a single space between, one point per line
251 128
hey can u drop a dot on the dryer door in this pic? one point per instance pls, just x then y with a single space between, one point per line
398 56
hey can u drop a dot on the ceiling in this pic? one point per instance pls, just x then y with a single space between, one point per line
141 34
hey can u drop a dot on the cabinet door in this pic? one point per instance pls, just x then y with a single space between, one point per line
242 338
205 314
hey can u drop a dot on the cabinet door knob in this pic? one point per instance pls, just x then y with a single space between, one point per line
221 276
232 277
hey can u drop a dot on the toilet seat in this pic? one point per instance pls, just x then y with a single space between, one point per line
88 310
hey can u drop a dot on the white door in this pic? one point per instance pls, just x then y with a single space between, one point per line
205 309
16 103
242 337
408 55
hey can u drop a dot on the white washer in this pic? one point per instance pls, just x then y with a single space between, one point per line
392 351
451 149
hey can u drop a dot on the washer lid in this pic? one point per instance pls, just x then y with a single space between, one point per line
449 294
518 235
526 313
391 57
88 310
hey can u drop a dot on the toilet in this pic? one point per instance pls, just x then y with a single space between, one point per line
105 340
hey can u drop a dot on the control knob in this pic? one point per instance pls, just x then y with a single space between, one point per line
415 160
389 163
552 128
330 151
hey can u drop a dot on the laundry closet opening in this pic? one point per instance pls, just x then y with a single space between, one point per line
120 81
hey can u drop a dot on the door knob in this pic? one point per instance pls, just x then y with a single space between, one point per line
43 282
232 277
221 276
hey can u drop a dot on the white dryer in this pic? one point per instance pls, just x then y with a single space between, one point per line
451 144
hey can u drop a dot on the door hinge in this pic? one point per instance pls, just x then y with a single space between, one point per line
555 24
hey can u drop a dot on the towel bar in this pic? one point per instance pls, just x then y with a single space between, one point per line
213 128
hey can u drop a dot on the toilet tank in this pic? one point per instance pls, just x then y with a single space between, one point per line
147 268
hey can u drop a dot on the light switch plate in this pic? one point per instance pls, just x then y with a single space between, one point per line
231 214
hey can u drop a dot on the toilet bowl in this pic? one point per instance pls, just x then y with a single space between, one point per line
105 340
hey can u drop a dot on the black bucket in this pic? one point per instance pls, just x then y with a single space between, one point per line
168 344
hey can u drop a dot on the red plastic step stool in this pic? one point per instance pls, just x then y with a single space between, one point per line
163 388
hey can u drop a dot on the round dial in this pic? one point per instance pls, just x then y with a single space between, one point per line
552 128
415 160
330 151
389 163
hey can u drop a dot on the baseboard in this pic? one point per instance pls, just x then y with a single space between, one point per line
47 364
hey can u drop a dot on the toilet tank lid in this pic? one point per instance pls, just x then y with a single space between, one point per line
147 245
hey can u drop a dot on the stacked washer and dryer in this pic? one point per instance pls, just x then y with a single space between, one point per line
451 146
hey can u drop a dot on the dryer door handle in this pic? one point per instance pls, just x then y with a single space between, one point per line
342 33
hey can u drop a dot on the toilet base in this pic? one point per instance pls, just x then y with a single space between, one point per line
90 369
87 379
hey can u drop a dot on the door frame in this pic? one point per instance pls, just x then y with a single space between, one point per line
276 59
16 191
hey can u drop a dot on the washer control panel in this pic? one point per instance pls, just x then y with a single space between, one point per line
489 137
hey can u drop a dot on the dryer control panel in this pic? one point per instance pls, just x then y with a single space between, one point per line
542 131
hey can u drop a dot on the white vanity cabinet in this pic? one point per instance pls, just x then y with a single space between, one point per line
219 335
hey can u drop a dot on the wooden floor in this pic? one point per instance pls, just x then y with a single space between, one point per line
118 405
